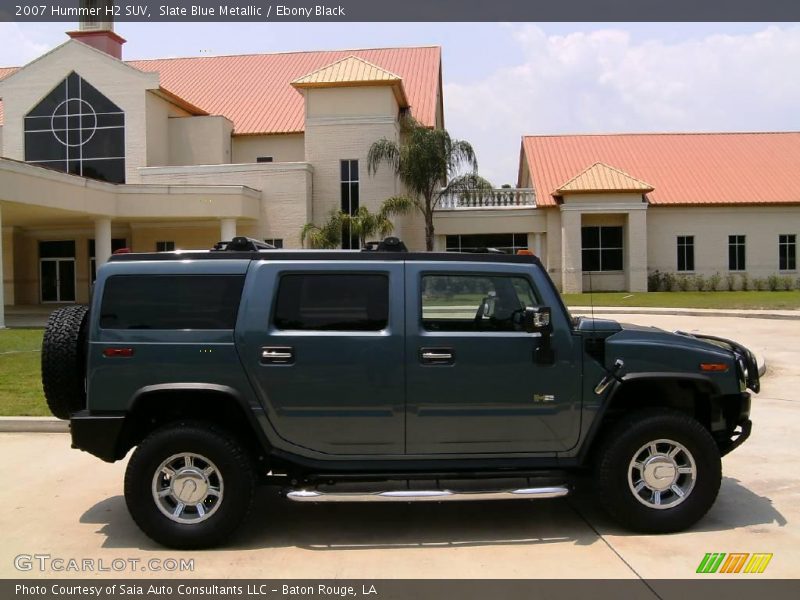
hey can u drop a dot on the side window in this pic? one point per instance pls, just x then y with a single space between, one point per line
171 301
332 302
475 302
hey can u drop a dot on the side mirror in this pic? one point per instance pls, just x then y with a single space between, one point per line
537 319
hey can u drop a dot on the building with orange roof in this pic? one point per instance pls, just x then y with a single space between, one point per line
100 154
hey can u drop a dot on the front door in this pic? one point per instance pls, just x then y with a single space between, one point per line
473 385
57 279
327 360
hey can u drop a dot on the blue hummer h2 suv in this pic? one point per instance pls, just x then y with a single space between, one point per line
382 375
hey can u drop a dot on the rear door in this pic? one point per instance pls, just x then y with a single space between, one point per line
323 345
473 385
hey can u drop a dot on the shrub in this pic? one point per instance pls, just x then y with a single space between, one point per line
785 283
797 283
655 281
730 280
744 281
700 283
773 283
758 284
683 282
669 282
714 282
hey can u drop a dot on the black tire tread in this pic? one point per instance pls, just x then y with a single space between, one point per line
64 360
621 505
146 515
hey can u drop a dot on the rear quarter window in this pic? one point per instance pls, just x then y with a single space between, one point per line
171 301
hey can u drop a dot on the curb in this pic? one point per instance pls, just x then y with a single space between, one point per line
33 425
710 312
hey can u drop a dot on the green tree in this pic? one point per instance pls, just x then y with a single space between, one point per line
429 163
362 224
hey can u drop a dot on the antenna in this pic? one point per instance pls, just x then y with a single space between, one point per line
591 305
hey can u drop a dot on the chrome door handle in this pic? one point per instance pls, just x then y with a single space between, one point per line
436 356
280 355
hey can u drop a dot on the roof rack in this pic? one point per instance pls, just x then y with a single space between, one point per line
389 244
242 244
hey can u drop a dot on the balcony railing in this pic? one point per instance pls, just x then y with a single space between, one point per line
496 198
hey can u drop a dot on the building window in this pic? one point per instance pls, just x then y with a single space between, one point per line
165 246
341 302
736 254
349 185
787 252
263 159
507 242
685 253
77 130
601 248
276 242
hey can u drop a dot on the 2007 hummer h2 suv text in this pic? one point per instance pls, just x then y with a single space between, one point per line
386 376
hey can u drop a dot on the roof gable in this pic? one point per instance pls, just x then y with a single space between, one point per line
601 177
352 71
684 168
254 91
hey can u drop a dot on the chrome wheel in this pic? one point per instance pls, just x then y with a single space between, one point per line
187 488
662 474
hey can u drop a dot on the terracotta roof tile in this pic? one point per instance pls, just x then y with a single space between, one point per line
601 177
254 90
684 168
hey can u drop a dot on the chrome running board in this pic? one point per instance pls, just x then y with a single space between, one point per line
426 495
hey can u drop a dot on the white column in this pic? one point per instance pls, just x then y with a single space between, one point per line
2 283
637 250
571 259
227 229
102 241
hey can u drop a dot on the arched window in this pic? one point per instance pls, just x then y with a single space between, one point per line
77 130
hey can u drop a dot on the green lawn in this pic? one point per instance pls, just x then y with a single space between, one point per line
20 377
733 300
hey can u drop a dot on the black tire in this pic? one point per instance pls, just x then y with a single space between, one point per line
622 444
64 349
227 455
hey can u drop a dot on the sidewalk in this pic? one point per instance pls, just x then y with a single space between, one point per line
693 312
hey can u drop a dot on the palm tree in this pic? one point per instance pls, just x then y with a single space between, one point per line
428 162
362 224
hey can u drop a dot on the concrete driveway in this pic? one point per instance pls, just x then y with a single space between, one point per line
67 504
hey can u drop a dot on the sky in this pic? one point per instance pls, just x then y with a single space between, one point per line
505 80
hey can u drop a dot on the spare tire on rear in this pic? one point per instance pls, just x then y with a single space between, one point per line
64 349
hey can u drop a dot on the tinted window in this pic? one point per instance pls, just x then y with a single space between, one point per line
475 302
333 302
171 301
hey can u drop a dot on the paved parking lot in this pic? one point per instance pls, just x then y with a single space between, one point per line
67 504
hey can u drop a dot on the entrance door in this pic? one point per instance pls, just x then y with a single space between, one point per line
472 383
57 276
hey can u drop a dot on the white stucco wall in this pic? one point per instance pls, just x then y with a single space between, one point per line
711 227
200 140
282 148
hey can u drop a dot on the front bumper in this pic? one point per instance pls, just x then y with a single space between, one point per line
738 438
97 434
